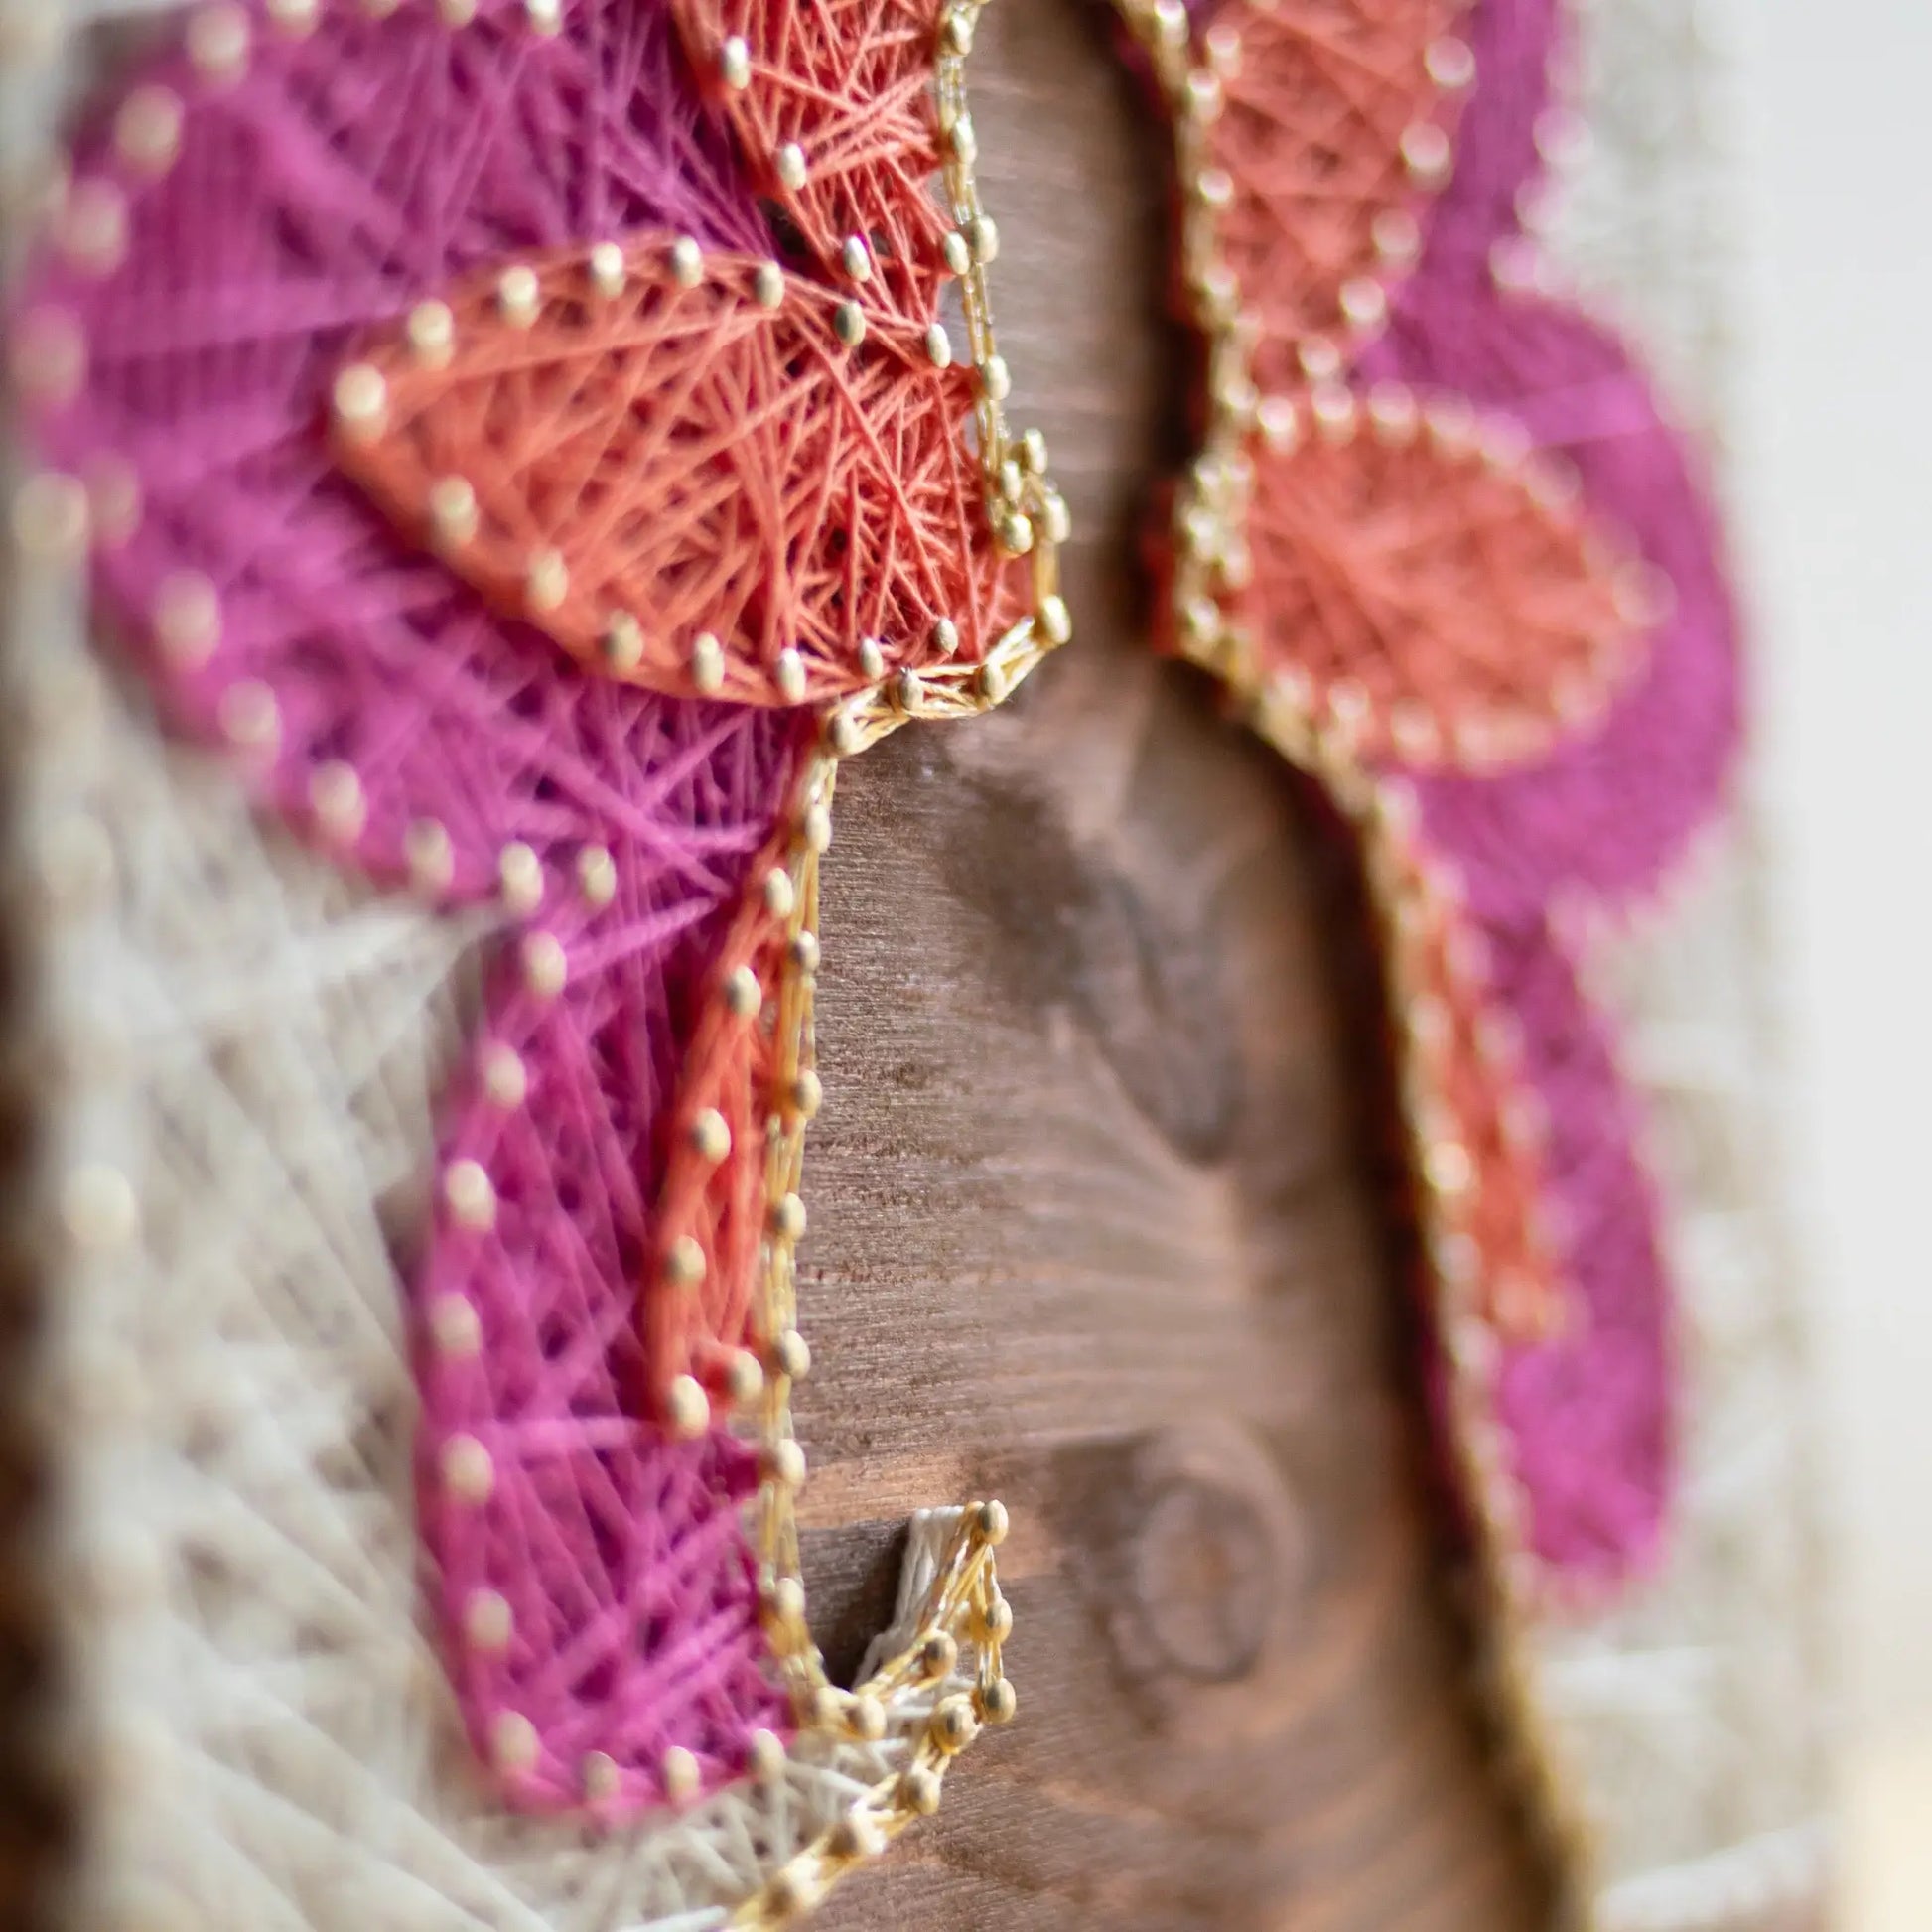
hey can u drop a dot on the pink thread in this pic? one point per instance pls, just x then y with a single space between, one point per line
344 177
1498 156
1590 1409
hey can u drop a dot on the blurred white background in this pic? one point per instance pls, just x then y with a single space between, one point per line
1836 479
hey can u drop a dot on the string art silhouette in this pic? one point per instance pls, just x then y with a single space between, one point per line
536 476
1443 544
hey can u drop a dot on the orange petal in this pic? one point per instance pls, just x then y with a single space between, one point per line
1423 597
1478 1126
1336 119
834 112
727 1172
697 480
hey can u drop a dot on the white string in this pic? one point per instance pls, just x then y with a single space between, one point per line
1693 1709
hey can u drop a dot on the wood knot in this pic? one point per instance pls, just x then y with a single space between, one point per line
1209 1556
1201 1581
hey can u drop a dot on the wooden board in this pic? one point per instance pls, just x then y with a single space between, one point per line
1097 1224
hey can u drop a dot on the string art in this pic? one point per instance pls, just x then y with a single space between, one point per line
524 437
536 477
1440 542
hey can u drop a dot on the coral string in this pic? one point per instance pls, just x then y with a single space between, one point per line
1430 597
1336 118
831 102
694 472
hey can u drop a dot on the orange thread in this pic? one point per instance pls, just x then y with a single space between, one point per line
1421 594
832 109
1480 1128
694 473
710 1223
1336 115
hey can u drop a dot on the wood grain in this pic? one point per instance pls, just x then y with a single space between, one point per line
1096 1225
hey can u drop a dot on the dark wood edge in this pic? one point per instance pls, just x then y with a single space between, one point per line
40 1794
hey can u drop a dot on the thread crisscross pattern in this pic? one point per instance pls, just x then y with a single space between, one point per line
1332 121
830 103
692 479
1422 599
